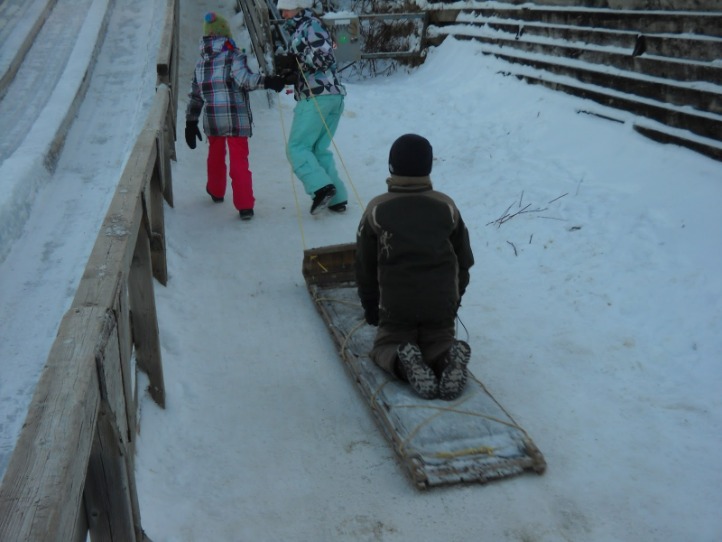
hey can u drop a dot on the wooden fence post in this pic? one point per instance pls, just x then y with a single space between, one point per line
107 486
125 349
156 214
144 320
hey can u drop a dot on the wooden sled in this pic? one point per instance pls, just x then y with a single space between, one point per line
471 439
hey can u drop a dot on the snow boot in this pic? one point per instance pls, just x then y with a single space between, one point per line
321 197
338 207
420 376
215 199
453 377
246 214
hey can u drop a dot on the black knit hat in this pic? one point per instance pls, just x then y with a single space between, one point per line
410 156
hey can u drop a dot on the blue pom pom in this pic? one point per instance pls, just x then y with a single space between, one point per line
210 17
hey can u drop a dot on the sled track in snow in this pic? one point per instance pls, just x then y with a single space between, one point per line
74 106
90 243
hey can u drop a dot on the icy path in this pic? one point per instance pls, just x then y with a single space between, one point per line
40 274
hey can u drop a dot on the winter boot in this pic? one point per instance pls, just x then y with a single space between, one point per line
338 207
246 214
215 199
321 197
420 376
453 377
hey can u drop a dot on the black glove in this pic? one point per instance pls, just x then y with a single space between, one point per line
274 82
192 132
285 62
290 77
371 315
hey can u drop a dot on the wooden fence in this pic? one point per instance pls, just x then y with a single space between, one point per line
72 471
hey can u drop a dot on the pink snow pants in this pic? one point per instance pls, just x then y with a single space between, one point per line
241 178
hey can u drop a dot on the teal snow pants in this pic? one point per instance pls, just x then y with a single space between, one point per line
308 144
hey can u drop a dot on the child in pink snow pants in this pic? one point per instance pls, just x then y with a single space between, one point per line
221 82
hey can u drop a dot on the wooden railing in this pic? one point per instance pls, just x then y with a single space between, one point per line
72 470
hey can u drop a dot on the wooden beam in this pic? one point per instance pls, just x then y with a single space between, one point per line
107 491
144 320
41 493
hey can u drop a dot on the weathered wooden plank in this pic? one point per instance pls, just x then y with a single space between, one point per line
144 319
40 495
156 214
108 497
330 265
125 349
167 74
167 152
164 59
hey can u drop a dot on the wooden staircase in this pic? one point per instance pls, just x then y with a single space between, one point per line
656 63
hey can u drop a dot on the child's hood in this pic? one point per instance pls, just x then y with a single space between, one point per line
214 45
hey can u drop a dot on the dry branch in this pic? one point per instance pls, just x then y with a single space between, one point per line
506 216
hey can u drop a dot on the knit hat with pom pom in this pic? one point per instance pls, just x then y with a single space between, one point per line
216 25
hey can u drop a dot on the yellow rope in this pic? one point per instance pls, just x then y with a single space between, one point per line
293 184
486 450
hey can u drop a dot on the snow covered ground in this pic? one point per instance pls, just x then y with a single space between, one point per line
596 320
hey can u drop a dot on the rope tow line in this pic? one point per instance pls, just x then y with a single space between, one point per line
293 184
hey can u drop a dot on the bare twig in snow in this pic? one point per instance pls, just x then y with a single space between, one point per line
514 247
506 216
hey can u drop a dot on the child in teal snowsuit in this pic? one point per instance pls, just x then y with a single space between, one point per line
320 102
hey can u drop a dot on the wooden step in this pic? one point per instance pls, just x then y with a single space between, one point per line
704 97
662 5
657 59
702 126
675 46
640 21
621 59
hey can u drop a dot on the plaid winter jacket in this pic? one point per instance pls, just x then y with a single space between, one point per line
221 82
412 254
312 46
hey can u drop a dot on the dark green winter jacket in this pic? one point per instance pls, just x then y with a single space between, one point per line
412 254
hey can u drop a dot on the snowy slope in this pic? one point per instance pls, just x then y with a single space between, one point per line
597 321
